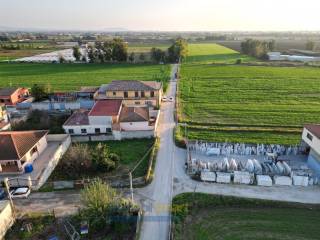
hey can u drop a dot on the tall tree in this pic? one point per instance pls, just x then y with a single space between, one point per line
158 55
40 92
310 45
131 57
76 53
178 50
120 50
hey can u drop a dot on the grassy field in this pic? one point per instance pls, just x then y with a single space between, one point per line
202 216
240 103
129 151
73 76
213 53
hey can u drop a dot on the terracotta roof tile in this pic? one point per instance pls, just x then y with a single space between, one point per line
7 91
78 118
130 85
314 129
134 114
14 145
106 108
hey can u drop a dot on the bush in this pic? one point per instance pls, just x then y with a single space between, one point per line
103 160
103 205
178 138
239 61
77 160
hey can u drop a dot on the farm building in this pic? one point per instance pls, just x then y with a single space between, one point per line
311 136
277 56
12 96
53 57
132 92
113 120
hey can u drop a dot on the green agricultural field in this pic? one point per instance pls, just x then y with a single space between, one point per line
246 102
241 103
73 76
214 53
202 216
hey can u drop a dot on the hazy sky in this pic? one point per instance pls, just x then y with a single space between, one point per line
177 15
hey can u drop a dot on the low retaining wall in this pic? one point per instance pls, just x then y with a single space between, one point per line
6 218
63 147
137 134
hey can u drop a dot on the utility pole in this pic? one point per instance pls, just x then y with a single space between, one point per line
6 183
131 187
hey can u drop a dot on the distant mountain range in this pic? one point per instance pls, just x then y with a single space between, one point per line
35 29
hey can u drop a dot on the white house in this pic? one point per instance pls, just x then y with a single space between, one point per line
311 136
17 149
4 120
99 120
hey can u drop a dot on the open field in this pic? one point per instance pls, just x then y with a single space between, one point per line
73 76
214 53
129 151
253 104
216 217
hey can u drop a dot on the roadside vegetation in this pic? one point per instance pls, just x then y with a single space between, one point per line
104 212
203 216
252 104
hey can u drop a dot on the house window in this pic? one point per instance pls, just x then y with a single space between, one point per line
137 103
114 93
309 136
125 94
108 130
142 94
34 150
136 94
71 131
83 130
97 130
152 94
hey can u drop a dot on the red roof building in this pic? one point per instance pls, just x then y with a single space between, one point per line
106 108
12 96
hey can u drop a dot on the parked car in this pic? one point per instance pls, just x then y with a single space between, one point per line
164 99
2 193
171 99
21 192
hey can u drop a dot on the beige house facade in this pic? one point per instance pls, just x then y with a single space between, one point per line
133 93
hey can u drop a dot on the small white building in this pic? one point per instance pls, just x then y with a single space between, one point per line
277 56
17 149
311 136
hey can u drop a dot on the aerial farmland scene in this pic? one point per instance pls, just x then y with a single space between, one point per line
159 120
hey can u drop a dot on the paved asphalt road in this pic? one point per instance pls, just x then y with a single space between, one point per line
159 193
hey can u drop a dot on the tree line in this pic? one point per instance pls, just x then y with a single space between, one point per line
257 48
177 52
116 50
